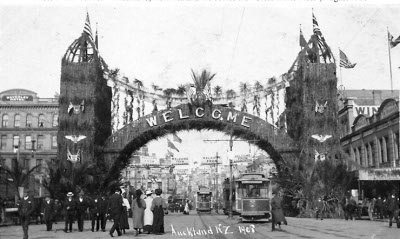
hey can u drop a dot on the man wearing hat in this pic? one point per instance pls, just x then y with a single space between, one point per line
115 210
81 206
48 212
103 208
25 208
277 211
69 208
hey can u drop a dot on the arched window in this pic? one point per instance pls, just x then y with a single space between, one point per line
41 121
17 121
55 120
29 121
5 121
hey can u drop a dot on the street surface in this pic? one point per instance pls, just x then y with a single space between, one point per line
220 227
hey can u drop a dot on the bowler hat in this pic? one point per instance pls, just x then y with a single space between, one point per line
158 191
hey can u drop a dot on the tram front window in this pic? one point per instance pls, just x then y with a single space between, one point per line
259 190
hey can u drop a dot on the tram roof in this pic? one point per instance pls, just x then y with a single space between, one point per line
252 176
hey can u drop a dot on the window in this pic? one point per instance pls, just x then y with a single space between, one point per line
16 141
40 142
27 163
54 141
17 121
41 121
3 141
29 121
28 142
5 121
55 120
39 162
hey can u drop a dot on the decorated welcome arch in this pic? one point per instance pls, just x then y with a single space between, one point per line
120 146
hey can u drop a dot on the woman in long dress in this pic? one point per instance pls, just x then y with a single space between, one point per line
158 206
138 207
148 214
124 224
186 210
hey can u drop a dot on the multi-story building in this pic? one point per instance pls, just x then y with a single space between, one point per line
371 142
28 134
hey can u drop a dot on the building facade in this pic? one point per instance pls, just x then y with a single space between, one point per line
372 145
28 134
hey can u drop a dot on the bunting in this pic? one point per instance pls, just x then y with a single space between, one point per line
171 145
176 138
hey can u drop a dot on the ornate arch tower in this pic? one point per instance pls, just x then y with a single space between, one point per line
85 101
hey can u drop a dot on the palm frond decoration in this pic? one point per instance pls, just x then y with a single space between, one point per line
245 88
19 174
217 91
181 90
201 82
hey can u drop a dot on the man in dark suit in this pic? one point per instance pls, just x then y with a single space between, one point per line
25 208
48 213
94 213
81 207
115 210
69 208
103 208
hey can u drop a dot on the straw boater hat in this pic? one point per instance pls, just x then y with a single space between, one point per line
70 194
149 192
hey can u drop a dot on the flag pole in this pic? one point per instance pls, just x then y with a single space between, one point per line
390 61
340 70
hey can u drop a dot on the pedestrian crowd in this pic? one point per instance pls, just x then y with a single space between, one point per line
147 211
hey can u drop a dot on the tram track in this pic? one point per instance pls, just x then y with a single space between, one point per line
234 229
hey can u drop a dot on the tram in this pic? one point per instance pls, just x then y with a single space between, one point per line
204 200
252 194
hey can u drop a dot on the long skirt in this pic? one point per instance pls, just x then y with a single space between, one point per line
158 220
124 224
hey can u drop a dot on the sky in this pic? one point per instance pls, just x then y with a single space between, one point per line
240 41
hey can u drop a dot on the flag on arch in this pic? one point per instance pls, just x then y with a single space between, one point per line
171 145
344 61
391 42
87 29
303 42
320 41
176 138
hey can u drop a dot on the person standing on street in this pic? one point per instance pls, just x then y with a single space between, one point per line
25 208
115 210
157 207
94 213
148 214
124 215
103 208
393 206
81 207
277 212
320 209
371 206
138 206
48 213
69 208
